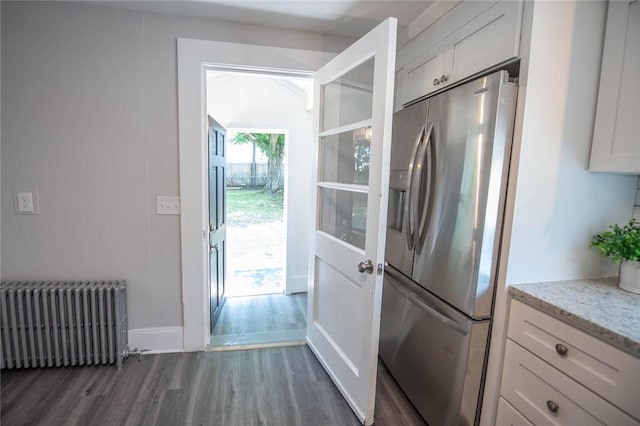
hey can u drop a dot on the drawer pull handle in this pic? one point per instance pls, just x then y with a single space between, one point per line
561 349
444 78
553 407
436 81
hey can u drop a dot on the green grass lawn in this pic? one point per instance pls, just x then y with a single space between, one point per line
253 206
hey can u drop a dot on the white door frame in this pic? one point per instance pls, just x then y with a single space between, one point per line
194 56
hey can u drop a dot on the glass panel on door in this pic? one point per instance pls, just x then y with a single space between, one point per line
343 214
345 157
349 98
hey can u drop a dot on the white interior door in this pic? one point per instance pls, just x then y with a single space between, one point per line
354 107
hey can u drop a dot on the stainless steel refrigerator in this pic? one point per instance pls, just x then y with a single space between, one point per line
449 165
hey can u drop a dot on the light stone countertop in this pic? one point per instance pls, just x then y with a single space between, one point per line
595 306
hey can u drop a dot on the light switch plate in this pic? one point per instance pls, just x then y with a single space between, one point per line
26 202
167 205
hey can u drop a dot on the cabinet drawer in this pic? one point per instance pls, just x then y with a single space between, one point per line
509 416
547 397
606 370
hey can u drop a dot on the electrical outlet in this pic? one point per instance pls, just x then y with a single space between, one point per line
26 202
167 205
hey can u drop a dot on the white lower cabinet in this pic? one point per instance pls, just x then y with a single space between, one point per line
545 396
554 374
509 416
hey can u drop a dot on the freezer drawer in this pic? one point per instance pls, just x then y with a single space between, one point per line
435 353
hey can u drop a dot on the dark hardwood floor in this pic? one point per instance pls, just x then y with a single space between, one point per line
277 386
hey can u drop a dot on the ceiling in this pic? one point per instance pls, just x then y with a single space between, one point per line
348 18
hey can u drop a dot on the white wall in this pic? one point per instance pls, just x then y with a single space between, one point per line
559 205
238 101
90 120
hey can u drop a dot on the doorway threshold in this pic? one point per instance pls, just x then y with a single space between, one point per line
263 339
254 346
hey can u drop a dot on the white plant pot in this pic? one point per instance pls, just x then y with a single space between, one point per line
630 276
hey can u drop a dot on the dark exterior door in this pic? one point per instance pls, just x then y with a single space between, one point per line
217 219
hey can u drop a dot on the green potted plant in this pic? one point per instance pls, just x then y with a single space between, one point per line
622 244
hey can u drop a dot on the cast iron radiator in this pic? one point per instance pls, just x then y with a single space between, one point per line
53 324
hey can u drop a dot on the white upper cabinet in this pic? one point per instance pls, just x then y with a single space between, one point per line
472 37
616 134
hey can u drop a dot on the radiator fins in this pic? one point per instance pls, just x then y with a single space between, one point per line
66 323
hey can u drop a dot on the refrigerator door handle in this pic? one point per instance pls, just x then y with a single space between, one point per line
423 193
424 305
408 222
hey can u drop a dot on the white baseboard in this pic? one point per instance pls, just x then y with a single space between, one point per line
297 284
158 340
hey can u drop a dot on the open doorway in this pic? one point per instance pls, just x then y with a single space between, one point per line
255 211
266 119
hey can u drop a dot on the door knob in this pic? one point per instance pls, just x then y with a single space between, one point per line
561 349
436 81
365 266
444 78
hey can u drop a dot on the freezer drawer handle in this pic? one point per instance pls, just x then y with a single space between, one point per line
427 308
439 315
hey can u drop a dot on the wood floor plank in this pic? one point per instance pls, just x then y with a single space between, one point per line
146 406
277 386
392 406
322 404
173 407
91 411
50 392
